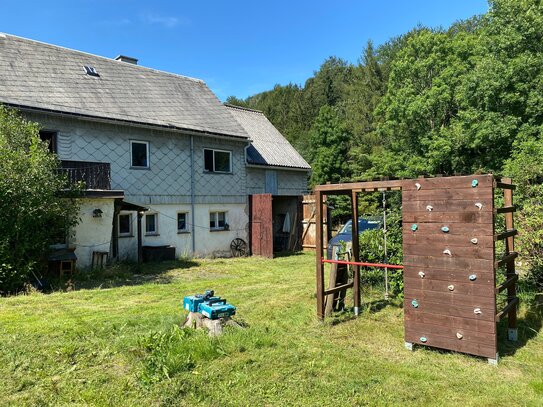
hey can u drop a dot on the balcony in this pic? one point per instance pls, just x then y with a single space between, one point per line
94 175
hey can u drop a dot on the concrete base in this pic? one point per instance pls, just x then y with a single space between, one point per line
494 362
512 334
408 345
214 327
356 311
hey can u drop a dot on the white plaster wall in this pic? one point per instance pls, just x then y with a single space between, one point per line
92 234
208 243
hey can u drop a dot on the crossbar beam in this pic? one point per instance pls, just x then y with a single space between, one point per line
363 264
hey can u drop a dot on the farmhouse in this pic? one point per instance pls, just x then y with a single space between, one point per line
164 163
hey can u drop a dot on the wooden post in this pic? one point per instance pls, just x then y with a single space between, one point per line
318 255
140 248
356 252
510 267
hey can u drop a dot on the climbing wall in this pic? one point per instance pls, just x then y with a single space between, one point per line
449 277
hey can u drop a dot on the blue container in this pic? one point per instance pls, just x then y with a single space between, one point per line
217 309
192 302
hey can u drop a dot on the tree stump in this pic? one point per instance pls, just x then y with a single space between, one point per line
214 327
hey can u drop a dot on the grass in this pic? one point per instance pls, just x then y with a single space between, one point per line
116 341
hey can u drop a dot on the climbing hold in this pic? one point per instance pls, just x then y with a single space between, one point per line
417 185
477 311
447 251
423 339
415 303
414 227
445 229
474 240
479 205
474 183
473 277
421 274
451 287
429 208
459 335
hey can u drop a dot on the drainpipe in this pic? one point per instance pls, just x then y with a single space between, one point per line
192 194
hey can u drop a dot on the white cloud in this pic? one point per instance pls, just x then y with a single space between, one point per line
165 21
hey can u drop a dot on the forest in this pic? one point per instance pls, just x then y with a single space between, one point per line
458 100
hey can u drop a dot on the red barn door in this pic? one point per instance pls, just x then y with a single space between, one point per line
261 225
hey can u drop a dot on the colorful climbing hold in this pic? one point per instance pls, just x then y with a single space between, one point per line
447 251
477 311
474 240
429 208
414 227
451 287
423 339
474 183
479 205
415 303
473 277
459 335
421 274
445 229
417 185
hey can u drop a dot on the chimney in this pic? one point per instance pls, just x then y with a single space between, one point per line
124 58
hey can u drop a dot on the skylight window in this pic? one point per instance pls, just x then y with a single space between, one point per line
91 70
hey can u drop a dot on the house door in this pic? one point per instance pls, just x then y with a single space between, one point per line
261 225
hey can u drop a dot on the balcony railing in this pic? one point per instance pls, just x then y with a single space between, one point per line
94 175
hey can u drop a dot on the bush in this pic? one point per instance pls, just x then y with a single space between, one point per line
32 213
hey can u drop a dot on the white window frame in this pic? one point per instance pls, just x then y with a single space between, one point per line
186 230
220 151
130 227
215 214
147 152
155 232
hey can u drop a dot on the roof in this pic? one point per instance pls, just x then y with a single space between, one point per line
269 147
43 76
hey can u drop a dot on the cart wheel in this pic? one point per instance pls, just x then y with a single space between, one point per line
238 247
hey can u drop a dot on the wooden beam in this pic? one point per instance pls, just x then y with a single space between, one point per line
318 255
506 209
338 288
510 248
505 235
511 306
356 252
507 283
507 259
505 185
347 188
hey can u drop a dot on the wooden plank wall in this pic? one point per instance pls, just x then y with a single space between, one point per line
309 223
444 308
261 226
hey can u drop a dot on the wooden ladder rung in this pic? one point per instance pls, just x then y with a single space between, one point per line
512 303
507 259
338 288
504 185
507 283
506 209
506 234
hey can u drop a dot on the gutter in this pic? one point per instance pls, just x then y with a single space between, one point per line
277 167
133 123
192 195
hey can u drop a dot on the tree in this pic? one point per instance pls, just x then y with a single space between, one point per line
32 212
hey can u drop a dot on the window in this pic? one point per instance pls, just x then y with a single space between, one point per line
91 70
217 161
139 151
51 138
151 224
217 221
125 224
182 222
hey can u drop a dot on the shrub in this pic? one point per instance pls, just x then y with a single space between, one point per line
32 212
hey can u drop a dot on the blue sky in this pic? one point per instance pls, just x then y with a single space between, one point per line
238 47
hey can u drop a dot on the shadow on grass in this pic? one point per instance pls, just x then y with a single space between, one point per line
287 254
529 326
372 307
130 274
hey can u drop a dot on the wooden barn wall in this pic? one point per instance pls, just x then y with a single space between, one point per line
448 229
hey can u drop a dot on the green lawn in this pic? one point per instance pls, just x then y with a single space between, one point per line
116 341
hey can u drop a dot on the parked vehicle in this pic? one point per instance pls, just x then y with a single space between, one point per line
345 234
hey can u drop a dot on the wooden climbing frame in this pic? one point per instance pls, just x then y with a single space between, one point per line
450 261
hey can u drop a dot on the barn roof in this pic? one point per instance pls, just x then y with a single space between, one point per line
269 147
43 76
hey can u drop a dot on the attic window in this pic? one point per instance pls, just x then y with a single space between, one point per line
91 70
